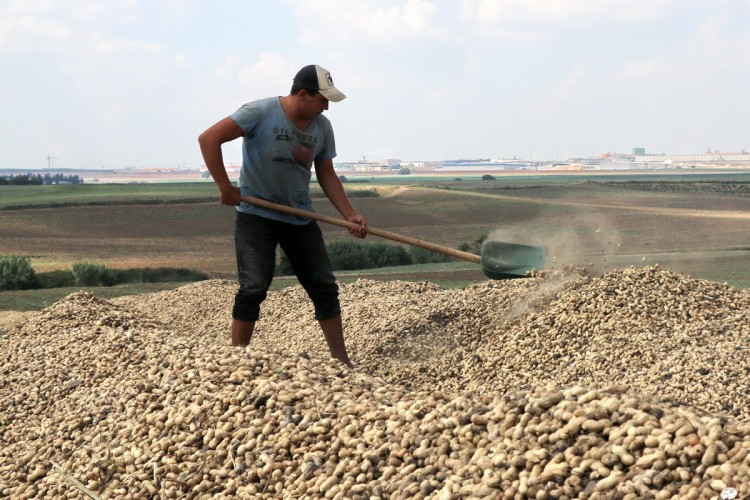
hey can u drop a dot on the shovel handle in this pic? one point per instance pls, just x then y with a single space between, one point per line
452 252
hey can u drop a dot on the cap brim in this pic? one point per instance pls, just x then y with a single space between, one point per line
332 94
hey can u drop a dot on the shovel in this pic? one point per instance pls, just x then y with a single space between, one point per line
499 260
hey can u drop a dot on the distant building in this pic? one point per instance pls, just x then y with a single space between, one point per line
637 159
601 162
414 165
231 167
715 158
488 164
370 166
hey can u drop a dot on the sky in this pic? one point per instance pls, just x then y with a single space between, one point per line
132 83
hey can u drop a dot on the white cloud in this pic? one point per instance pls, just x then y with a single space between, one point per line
122 46
181 61
22 7
718 43
640 69
269 73
368 20
87 10
26 32
547 11
574 85
236 80
713 48
70 28
535 19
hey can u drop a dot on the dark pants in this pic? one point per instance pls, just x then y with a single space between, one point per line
255 240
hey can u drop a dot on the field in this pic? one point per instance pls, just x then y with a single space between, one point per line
600 222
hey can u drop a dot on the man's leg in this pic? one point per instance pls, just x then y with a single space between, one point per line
255 245
306 251
333 331
242 332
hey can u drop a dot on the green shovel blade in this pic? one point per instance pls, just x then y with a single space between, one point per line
510 260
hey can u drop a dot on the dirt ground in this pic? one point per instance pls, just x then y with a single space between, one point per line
583 224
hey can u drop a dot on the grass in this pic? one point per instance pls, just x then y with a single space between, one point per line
35 300
12 197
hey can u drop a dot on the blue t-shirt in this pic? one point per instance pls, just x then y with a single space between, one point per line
277 157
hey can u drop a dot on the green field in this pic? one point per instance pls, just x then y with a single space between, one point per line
596 221
14 197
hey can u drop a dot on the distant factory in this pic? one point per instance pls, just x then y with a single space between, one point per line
638 159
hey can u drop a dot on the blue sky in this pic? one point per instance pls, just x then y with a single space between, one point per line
121 83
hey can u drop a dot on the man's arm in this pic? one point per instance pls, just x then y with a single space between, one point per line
210 142
334 190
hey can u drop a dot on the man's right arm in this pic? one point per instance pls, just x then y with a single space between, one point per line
210 141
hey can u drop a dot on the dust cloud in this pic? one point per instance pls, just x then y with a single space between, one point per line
585 246
588 241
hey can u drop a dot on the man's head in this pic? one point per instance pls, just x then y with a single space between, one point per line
315 79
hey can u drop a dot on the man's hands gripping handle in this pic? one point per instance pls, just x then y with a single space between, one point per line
356 224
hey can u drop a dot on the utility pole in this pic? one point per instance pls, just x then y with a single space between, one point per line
50 161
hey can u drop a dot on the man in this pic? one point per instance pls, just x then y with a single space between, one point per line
283 137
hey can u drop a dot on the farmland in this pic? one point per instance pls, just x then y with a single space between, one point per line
597 221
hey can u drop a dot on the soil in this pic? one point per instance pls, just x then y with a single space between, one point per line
577 223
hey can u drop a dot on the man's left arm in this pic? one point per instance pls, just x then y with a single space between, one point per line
334 191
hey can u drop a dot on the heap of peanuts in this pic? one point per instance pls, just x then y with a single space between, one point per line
634 385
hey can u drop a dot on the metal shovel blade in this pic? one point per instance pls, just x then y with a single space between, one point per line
510 260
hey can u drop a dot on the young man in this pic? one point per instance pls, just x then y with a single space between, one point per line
283 138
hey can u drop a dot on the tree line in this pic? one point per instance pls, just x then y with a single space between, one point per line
16 273
29 179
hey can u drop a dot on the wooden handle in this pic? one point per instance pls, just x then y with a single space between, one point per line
470 257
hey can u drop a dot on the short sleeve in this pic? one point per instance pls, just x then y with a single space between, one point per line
328 151
249 116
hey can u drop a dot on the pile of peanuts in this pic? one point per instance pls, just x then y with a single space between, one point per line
630 385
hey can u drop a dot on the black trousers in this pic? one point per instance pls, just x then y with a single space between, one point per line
256 239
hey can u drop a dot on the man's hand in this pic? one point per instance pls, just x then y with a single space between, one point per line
210 142
230 196
360 231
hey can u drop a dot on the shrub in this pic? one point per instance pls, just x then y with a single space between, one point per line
421 255
363 193
488 177
479 242
475 247
16 273
347 255
87 274
386 255
57 279
157 275
84 274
